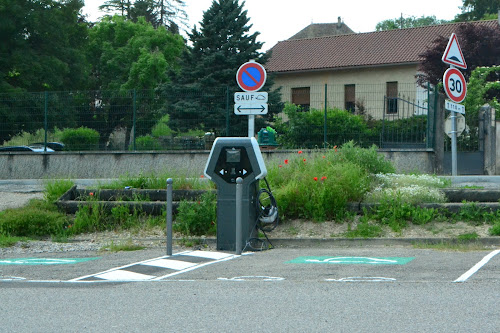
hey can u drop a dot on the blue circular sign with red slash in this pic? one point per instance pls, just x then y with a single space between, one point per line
251 76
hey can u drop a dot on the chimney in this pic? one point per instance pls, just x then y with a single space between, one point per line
339 22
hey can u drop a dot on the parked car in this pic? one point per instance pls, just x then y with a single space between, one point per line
33 149
57 146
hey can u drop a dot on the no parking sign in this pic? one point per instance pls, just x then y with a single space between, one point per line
251 76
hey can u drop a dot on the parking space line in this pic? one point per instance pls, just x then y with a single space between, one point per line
477 267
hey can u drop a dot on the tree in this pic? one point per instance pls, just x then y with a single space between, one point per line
125 56
41 49
473 10
408 22
167 13
480 46
36 55
202 89
113 6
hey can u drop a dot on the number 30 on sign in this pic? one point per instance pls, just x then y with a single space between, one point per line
454 85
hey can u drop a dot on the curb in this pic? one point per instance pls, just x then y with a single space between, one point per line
334 242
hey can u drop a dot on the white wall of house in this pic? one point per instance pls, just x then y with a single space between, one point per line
370 87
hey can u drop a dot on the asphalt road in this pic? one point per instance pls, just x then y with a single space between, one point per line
336 289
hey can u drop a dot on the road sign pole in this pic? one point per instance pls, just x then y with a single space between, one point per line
251 125
453 143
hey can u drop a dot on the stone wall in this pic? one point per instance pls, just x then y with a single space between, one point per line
96 165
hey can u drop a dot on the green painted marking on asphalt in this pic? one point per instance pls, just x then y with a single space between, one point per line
44 261
352 260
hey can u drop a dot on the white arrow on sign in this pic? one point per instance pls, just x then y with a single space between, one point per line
249 109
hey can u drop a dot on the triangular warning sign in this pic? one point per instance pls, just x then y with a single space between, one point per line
453 53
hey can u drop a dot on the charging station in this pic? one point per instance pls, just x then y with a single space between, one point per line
232 158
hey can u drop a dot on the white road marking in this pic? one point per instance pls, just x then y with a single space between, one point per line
363 279
208 255
253 278
178 265
121 275
477 267
227 257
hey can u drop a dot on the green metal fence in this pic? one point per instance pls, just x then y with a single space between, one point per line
170 119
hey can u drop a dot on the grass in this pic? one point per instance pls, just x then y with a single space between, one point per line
127 245
153 181
8 241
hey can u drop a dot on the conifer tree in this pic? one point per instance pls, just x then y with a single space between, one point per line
201 94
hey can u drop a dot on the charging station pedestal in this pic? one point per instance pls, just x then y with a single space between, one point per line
229 159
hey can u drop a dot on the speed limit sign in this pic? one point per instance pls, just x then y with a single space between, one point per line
454 85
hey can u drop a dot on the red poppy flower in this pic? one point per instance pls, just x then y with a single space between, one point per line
300 151
286 161
281 166
315 179
323 178
304 160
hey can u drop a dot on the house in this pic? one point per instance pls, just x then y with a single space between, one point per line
323 30
364 72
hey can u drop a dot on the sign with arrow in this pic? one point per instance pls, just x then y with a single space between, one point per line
250 109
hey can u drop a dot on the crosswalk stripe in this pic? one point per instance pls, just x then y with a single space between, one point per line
159 268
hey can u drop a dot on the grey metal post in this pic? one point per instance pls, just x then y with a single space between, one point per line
169 216
453 143
239 224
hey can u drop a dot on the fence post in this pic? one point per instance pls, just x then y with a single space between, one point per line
45 121
326 109
227 111
169 216
134 110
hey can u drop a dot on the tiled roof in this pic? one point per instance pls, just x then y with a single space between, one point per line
322 30
401 46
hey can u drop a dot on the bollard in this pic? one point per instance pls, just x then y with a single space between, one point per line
169 216
239 224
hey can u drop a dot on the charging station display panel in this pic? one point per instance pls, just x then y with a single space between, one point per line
233 163
231 158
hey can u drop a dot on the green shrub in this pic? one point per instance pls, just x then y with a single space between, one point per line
161 128
31 221
495 229
146 142
198 218
89 218
55 189
367 158
317 186
306 129
83 138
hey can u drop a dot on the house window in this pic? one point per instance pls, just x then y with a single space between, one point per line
392 97
302 97
350 97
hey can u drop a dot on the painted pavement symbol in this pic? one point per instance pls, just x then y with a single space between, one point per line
44 261
363 279
352 260
160 268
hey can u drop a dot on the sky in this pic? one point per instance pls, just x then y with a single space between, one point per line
278 20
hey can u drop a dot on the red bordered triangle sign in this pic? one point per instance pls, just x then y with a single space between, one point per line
453 53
